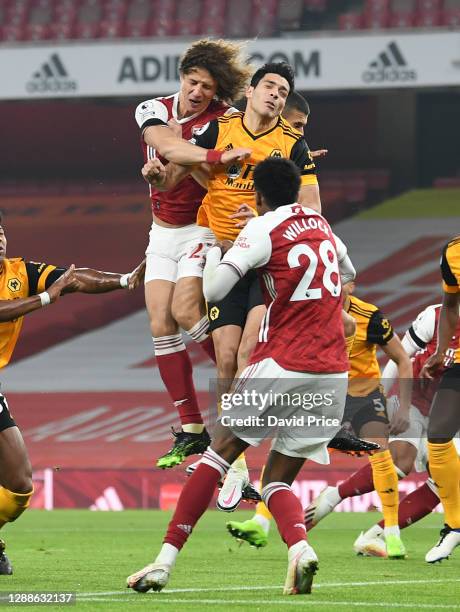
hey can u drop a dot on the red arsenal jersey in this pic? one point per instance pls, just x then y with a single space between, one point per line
295 253
424 332
179 205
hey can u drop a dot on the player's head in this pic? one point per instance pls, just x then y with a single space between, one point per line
276 183
296 111
269 89
211 68
2 239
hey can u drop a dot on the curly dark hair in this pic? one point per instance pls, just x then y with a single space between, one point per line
282 68
225 63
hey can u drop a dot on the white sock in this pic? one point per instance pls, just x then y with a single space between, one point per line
168 555
374 532
333 496
263 522
195 428
296 549
392 531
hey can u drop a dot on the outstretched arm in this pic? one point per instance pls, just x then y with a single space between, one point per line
12 309
88 280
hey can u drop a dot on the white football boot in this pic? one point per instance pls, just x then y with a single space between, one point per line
302 566
232 490
371 544
320 507
447 542
152 577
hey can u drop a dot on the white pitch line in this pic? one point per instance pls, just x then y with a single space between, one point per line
286 602
262 588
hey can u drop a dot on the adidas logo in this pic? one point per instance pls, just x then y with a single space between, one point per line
186 528
390 66
51 77
109 500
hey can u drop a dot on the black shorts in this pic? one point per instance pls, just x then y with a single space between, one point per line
6 420
234 308
451 378
362 410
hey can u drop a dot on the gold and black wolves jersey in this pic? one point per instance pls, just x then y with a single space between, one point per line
450 271
20 279
232 186
372 329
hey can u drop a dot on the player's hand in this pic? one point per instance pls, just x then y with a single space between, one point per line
432 365
154 172
245 213
67 281
400 421
137 276
319 153
239 154
175 127
224 245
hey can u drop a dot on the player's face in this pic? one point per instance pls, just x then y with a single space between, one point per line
261 207
268 98
197 89
296 118
2 244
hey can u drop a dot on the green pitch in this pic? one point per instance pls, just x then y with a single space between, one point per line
91 553
433 203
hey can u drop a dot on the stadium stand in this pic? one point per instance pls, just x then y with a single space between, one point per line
35 20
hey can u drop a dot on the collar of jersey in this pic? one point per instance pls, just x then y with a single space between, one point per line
256 136
174 111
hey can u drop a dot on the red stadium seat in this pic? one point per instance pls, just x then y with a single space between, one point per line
402 20
290 13
377 6
316 5
427 6
451 17
137 18
187 20
136 29
403 6
111 29
350 21
36 31
11 33
86 30
61 31
264 17
428 19
213 18
376 21
238 20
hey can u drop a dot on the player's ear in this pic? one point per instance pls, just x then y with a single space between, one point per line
249 91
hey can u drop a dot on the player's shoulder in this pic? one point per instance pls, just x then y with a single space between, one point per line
360 307
288 130
230 117
453 243
217 108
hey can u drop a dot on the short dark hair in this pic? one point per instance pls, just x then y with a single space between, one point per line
1 217
278 181
296 101
281 68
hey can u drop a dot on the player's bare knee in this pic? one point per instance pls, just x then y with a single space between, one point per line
245 349
227 364
162 324
21 482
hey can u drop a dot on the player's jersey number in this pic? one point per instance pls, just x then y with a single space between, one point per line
303 290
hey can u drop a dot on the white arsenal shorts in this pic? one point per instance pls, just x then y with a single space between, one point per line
415 434
175 253
301 412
